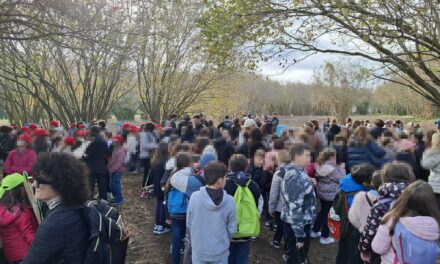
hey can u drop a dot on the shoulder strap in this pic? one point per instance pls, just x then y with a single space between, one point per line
368 199
200 179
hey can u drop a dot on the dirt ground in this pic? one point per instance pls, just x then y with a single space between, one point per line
146 247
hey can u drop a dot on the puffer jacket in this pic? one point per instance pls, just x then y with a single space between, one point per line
388 192
275 200
370 153
17 231
328 176
431 161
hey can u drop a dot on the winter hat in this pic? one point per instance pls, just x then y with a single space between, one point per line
205 159
41 132
249 122
25 137
406 144
54 123
69 140
10 182
118 138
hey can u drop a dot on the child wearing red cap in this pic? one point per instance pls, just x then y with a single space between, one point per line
116 168
22 158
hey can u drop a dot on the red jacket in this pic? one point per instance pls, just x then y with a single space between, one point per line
17 231
16 162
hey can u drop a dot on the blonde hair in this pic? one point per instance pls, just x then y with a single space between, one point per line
435 140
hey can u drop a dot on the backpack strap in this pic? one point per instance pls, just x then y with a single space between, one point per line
368 199
200 179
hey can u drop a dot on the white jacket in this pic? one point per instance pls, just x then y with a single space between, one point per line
431 161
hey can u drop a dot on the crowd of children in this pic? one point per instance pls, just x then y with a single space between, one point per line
374 188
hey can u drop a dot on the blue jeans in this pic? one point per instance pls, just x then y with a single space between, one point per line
239 252
178 231
160 216
116 187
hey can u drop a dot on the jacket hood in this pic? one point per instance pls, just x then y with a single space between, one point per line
9 216
432 152
391 190
205 159
239 177
347 184
424 227
207 201
325 170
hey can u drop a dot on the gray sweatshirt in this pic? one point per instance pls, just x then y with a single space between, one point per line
211 226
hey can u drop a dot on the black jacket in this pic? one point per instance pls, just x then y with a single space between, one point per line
226 124
262 177
62 236
241 178
410 160
96 154
224 150
156 174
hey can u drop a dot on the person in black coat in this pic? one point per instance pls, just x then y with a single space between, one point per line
226 124
63 235
95 158
377 131
333 130
6 142
224 147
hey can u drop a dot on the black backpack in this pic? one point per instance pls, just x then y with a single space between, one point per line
108 239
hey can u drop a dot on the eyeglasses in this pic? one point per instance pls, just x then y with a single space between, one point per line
39 180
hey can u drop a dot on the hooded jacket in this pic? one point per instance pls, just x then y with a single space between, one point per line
241 178
347 184
360 209
388 192
328 176
17 231
147 143
224 150
431 161
299 201
95 157
275 200
370 153
211 226
424 227
16 162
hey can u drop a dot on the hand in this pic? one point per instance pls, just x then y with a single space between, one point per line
299 245
342 165
365 257
314 181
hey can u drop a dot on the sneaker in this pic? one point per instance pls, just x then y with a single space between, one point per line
274 243
253 239
326 241
268 225
162 230
314 234
156 227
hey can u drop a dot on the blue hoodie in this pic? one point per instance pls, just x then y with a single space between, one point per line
347 184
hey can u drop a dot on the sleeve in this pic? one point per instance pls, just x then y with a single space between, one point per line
180 179
295 192
232 220
274 195
428 161
189 212
7 166
355 210
373 222
382 242
376 150
256 192
26 226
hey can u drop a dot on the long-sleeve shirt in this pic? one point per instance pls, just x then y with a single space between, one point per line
116 162
17 162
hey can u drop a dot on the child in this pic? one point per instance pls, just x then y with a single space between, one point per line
358 180
211 218
239 248
395 178
409 233
363 201
299 205
275 200
17 221
431 161
328 174
116 168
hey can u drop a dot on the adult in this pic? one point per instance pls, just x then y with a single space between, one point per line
275 120
60 181
22 158
172 122
185 123
235 130
226 124
333 130
378 129
431 161
363 149
224 147
147 144
95 158
198 124
6 142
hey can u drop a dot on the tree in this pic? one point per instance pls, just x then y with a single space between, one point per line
400 35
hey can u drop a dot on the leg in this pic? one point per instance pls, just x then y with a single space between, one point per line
279 231
117 187
178 231
92 180
305 250
325 209
231 253
342 257
291 250
319 220
437 198
146 163
102 185
239 252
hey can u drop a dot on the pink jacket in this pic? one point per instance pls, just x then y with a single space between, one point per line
16 162
116 162
424 227
17 231
360 209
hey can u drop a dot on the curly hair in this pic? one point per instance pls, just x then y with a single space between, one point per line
67 176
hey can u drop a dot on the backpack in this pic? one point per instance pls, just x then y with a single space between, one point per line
248 219
410 249
108 239
340 228
177 203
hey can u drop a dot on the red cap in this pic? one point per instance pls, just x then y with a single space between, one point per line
126 126
133 129
81 133
69 140
24 129
33 126
25 137
118 138
41 132
54 123
81 126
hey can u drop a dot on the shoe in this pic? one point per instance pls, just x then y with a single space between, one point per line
274 243
268 224
326 241
156 227
253 239
162 230
314 234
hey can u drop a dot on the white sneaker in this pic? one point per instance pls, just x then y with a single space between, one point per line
315 234
326 241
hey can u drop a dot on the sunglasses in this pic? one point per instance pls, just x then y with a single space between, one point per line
39 180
